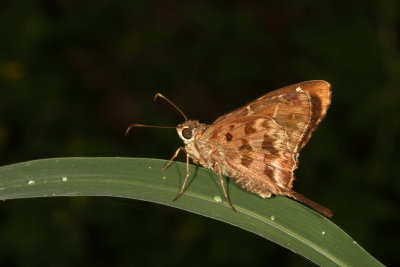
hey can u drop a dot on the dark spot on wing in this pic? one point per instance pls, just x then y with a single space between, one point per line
269 171
228 136
268 145
248 128
246 161
245 145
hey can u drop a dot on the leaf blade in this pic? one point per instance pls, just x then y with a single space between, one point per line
278 219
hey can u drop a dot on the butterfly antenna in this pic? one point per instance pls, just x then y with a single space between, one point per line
172 104
133 125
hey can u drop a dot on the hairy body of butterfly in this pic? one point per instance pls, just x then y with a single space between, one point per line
258 145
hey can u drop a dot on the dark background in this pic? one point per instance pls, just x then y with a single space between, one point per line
75 74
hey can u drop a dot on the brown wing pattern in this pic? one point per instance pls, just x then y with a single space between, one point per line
320 99
260 141
319 91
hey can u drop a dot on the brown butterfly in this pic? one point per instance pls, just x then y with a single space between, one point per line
258 144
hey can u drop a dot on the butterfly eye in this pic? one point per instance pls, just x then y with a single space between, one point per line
187 133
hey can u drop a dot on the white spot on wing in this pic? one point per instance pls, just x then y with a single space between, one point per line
249 111
275 112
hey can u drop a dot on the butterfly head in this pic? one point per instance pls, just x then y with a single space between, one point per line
188 130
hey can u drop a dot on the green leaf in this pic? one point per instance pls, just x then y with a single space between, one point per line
278 219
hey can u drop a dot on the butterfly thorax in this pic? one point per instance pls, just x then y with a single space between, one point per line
198 149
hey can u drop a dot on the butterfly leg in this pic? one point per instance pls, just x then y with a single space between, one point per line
221 180
186 178
173 157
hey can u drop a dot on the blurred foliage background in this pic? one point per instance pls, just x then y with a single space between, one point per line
75 74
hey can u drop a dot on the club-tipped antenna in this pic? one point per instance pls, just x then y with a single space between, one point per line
133 125
172 104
